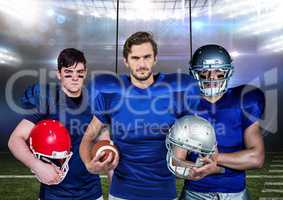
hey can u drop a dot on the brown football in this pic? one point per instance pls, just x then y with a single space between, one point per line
104 146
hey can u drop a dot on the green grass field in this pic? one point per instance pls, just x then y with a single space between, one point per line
264 184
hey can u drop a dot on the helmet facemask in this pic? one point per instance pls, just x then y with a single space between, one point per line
212 85
58 159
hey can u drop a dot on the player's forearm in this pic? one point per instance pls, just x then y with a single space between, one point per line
87 141
85 149
242 160
21 151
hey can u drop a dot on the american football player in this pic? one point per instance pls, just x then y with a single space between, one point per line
66 102
140 108
234 114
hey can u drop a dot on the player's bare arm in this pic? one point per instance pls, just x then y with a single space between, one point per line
250 158
94 165
210 165
45 173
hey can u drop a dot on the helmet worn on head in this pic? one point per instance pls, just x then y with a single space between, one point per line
50 142
190 134
211 58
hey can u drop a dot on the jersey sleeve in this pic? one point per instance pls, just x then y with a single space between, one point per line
189 97
100 89
100 108
253 104
105 83
35 103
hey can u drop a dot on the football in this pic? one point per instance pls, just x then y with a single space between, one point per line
104 146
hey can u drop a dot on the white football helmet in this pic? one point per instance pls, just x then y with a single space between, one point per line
189 134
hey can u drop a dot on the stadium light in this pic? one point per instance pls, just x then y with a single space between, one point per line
8 57
25 11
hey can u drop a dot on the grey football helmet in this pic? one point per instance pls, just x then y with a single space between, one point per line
207 59
189 134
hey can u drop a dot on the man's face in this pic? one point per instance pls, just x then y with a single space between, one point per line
140 61
212 75
72 79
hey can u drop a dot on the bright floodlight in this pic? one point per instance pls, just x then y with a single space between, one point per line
25 11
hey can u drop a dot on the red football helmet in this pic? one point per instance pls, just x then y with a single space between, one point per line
50 142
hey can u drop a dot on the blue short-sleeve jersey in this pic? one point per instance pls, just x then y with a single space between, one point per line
231 115
139 121
49 102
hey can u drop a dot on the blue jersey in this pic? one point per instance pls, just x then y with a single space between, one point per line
51 103
140 119
238 108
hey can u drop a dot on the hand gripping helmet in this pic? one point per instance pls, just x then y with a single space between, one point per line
50 142
210 58
189 134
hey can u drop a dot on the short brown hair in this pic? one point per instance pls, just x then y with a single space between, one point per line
70 56
137 39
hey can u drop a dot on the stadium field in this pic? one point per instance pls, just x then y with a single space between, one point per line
17 183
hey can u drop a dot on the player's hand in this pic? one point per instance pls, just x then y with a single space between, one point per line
95 166
210 167
48 174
